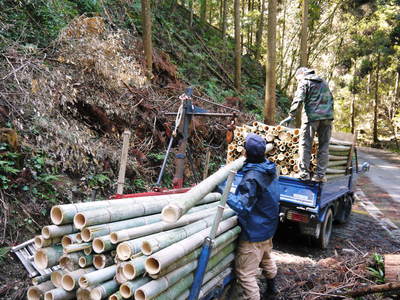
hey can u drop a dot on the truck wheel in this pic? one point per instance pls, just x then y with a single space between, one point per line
344 210
326 230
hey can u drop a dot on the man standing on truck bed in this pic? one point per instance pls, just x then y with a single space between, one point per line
317 117
256 201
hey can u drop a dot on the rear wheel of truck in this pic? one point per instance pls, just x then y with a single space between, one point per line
326 230
344 209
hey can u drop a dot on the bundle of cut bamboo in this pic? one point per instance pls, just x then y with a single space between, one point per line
283 149
104 248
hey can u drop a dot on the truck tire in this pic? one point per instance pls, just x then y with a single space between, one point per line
326 230
344 209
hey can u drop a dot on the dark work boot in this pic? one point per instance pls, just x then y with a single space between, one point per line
271 289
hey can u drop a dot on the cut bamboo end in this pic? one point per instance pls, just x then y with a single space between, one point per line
66 241
152 265
114 238
295 139
126 291
56 277
98 245
82 261
124 252
88 251
146 248
129 271
140 295
79 221
34 293
116 296
86 235
56 215
41 259
79 237
171 213
84 294
68 283
96 294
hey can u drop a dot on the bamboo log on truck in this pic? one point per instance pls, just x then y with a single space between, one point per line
64 214
126 211
156 287
174 211
169 255
59 294
69 281
48 257
220 242
104 290
127 249
98 276
128 288
91 232
179 287
152 245
37 292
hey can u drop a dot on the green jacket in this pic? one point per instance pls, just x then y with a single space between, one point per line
314 92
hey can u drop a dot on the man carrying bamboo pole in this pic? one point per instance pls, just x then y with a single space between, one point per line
256 201
317 117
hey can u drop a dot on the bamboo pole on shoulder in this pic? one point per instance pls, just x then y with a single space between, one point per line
169 255
174 211
112 214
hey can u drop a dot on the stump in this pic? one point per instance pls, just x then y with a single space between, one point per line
392 267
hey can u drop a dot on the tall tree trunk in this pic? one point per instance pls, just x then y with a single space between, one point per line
191 13
210 10
259 33
353 113
304 34
241 29
269 104
147 43
203 12
283 43
376 102
303 47
224 13
238 45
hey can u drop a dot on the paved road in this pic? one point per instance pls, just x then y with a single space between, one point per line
384 174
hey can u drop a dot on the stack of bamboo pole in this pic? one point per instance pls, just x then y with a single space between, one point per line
118 249
283 149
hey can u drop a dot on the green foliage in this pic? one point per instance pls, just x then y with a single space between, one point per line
377 269
8 162
3 253
98 180
156 156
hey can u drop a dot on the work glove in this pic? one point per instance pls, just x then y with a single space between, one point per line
287 120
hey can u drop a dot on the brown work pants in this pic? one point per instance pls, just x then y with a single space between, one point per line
249 257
